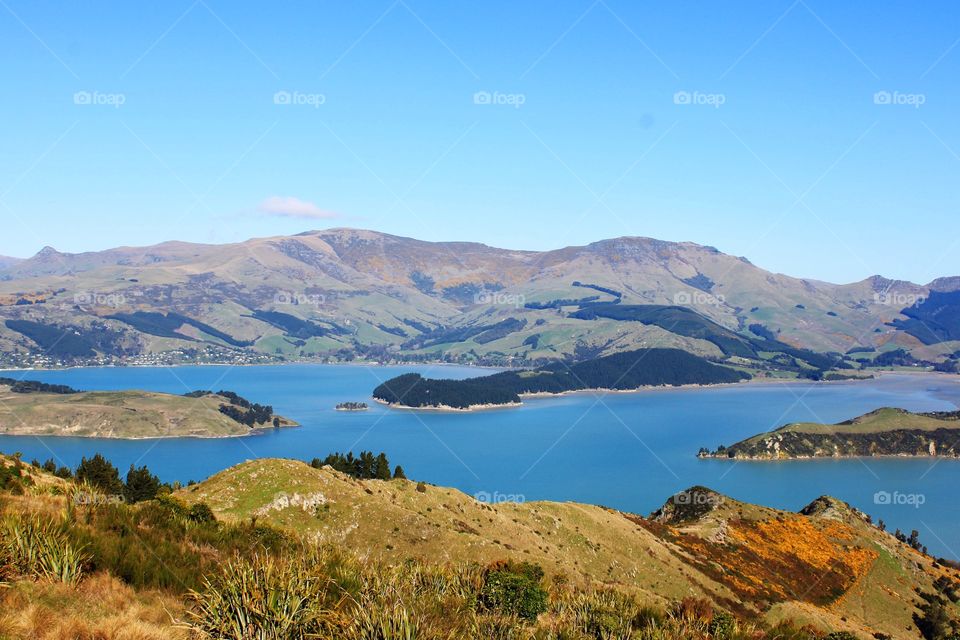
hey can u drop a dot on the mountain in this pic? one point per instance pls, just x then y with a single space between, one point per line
6 261
883 432
345 293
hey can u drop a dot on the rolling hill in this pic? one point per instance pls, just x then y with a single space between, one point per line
883 432
343 293
826 566
122 414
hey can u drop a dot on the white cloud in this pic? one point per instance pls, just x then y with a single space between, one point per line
290 207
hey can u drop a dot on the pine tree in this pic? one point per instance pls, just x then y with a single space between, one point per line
141 485
99 472
398 473
382 471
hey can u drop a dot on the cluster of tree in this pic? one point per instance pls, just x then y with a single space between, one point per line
167 325
482 333
623 371
241 409
935 319
935 620
298 327
895 358
139 485
352 406
596 287
913 540
33 386
561 302
365 467
70 342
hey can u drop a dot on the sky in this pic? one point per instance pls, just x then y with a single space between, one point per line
816 138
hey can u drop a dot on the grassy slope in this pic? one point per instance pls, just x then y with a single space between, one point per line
879 421
115 414
737 554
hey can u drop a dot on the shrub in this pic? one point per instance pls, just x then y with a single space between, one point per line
723 625
514 589
261 598
39 549
201 513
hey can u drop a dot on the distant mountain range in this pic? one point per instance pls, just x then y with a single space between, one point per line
344 293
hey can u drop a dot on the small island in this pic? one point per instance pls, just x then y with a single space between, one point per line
626 371
884 432
352 406
41 409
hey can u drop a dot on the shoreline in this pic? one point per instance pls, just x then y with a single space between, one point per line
257 431
448 409
900 456
753 382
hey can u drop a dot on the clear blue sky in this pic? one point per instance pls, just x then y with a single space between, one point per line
798 167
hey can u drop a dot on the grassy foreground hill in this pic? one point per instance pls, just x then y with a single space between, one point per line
291 551
884 432
119 414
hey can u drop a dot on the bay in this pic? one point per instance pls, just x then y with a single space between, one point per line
629 451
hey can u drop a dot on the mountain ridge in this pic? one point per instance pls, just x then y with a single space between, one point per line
361 293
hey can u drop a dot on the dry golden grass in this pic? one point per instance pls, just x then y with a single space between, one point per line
101 607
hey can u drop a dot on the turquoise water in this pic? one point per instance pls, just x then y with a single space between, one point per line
628 451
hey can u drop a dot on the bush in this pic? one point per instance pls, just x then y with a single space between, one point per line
201 513
261 598
514 589
39 549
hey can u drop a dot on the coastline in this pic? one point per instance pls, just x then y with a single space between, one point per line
258 431
753 382
448 409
